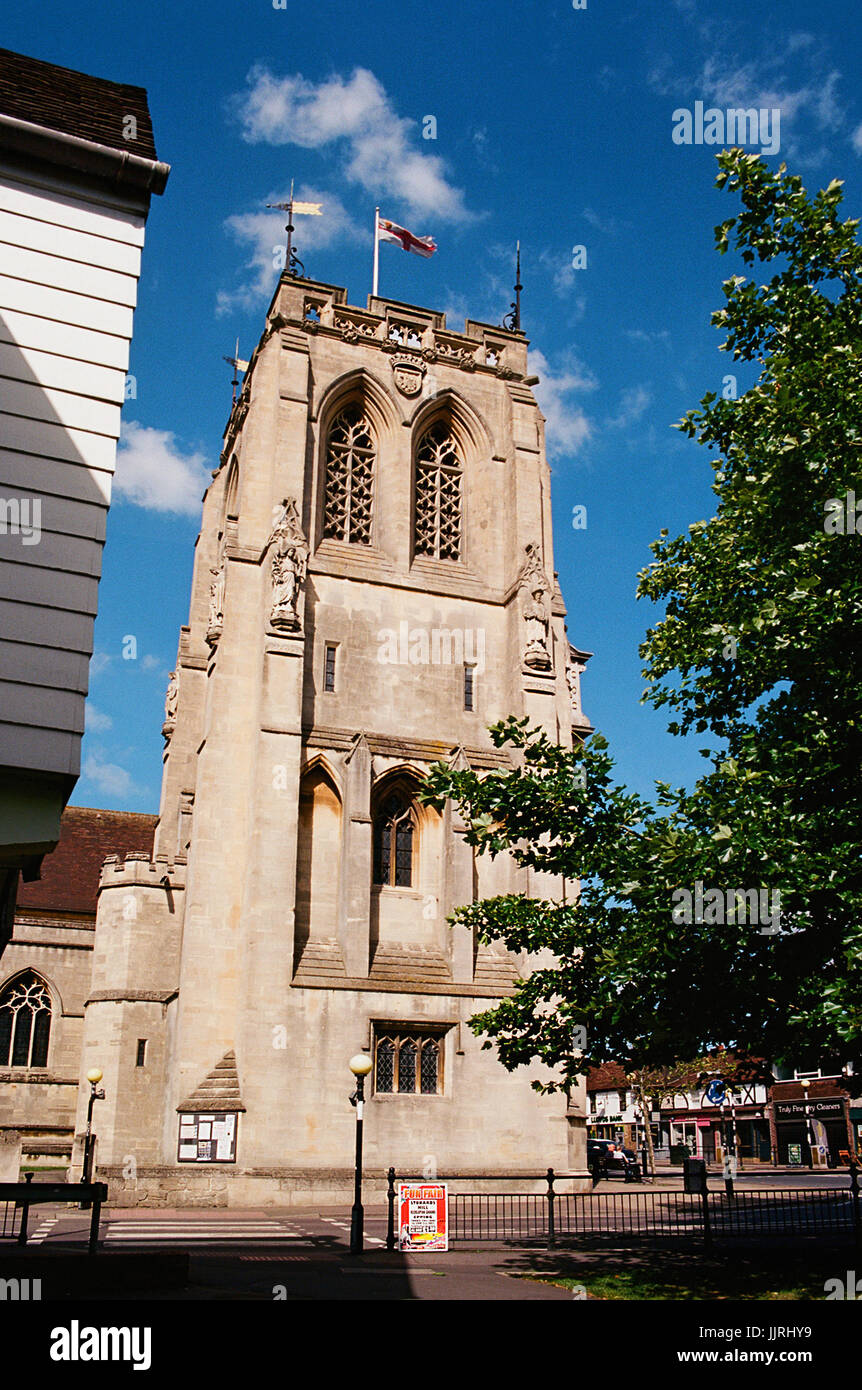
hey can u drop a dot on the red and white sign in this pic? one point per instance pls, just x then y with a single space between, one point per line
423 1216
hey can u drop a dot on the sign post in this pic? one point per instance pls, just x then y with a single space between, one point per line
423 1216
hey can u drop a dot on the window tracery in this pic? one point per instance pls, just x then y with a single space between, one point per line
438 494
349 488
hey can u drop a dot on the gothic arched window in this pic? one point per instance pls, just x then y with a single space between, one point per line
25 1022
408 1061
438 495
393 841
349 478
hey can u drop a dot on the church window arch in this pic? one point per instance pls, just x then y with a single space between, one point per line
231 491
395 840
25 1021
437 529
349 486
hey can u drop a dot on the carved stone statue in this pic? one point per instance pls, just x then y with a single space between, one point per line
216 613
573 678
289 565
537 618
172 696
538 624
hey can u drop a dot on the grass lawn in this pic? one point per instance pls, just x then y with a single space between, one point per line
794 1275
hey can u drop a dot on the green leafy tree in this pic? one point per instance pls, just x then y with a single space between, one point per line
760 647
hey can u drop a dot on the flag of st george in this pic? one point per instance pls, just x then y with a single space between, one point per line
390 231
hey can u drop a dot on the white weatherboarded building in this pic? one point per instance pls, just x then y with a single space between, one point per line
77 170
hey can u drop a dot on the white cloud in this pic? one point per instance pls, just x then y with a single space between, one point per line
263 233
95 720
856 139
99 662
566 426
796 77
357 117
650 336
633 403
608 226
153 663
152 472
109 778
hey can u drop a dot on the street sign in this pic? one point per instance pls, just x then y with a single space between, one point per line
715 1091
423 1216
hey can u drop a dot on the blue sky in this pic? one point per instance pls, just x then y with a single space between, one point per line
553 124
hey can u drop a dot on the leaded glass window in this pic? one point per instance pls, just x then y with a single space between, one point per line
407 1062
407 1066
349 478
393 842
429 1067
385 1065
438 495
25 1022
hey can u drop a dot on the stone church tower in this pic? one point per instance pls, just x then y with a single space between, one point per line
373 586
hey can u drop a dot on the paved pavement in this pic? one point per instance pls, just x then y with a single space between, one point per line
299 1254
261 1255
58 1227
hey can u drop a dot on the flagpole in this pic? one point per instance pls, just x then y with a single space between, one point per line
376 253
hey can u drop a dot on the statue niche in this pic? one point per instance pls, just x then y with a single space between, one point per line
289 567
537 617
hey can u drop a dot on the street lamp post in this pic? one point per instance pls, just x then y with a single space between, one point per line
360 1065
805 1085
94 1076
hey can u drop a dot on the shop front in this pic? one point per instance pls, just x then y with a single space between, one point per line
812 1132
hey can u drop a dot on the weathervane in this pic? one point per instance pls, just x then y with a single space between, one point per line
292 264
238 366
512 320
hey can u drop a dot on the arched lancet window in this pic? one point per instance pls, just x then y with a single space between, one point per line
349 492
25 1022
407 1066
231 491
393 841
438 494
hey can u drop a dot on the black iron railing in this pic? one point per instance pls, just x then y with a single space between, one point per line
551 1216
16 1199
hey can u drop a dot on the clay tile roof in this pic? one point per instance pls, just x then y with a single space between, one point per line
70 875
608 1077
61 99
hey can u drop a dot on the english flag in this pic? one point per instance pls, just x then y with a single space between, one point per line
419 245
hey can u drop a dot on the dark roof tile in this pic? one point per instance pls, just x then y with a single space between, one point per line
73 103
70 875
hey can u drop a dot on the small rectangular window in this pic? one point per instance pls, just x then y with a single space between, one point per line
142 1052
329 667
469 687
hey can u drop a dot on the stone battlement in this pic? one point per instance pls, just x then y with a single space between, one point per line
414 337
139 868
